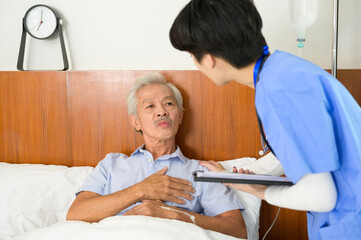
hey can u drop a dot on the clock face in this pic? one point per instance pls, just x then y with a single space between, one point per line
40 22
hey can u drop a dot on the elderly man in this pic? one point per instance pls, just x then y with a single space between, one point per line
156 180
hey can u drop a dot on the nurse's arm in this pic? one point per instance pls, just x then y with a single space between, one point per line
313 192
267 164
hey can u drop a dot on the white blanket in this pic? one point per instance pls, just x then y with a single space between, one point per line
123 227
33 197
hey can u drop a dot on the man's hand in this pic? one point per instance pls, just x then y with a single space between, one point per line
151 208
230 222
159 186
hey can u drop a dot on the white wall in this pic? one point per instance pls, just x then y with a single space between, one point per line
133 34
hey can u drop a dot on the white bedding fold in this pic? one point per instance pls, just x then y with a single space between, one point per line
123 227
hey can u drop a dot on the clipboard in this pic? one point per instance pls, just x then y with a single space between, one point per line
228 177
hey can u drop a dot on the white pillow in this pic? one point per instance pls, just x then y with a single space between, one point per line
36 195
251 203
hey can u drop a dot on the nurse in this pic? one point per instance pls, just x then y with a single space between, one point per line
312 123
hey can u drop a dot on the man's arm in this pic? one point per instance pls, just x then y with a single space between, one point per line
92 207
230 222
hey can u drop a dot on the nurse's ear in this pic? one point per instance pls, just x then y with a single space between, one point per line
209 61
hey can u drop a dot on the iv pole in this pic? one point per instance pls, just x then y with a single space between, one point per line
334 38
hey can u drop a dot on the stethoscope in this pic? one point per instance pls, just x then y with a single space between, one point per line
257 69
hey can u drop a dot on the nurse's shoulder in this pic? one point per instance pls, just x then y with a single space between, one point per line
285 71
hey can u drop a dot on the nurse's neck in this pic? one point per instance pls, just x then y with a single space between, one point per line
243 75
222 72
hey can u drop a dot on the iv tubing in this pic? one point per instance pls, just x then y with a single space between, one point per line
335 38
193 218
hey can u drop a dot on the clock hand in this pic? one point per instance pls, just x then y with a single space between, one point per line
41 19
39 25
35 26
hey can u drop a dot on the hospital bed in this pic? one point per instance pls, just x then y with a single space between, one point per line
56 126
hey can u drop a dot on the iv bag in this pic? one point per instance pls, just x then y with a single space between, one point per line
301 15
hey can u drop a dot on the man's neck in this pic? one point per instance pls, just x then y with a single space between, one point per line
160 148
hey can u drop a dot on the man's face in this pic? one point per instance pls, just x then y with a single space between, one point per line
158 114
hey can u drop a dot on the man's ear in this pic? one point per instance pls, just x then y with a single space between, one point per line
134 122
181 117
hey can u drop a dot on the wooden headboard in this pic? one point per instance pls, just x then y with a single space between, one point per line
75 118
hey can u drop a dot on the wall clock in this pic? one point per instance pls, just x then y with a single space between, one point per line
41 22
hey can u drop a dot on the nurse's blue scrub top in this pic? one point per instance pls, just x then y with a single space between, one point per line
313 125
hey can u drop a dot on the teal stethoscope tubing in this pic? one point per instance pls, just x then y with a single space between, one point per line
257 69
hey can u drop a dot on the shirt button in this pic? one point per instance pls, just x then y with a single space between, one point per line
149 160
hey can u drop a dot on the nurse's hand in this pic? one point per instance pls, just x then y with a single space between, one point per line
244 171
254 189
213 166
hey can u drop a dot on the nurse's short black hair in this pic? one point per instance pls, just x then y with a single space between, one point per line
228 29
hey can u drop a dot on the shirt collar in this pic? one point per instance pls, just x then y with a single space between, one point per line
177 154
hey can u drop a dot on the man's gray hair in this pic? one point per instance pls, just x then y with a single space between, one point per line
146 80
